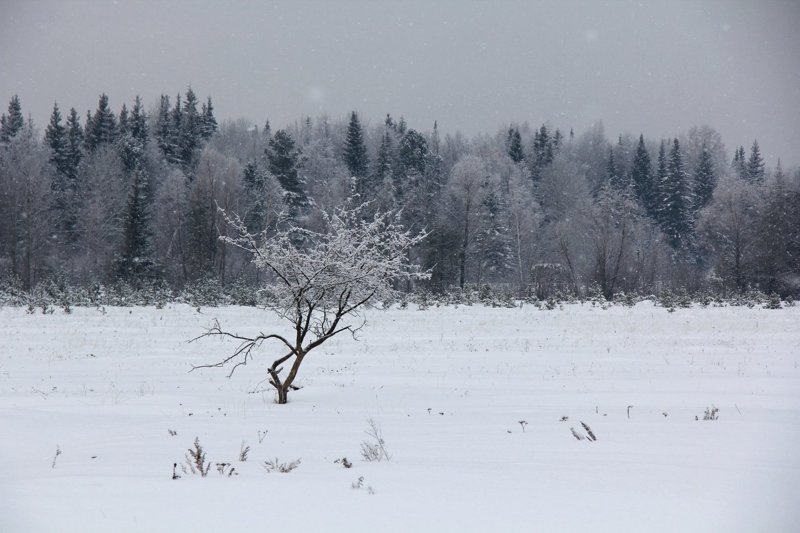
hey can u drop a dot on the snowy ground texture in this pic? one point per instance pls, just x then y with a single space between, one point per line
448 387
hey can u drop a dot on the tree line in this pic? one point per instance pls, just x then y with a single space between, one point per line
134 196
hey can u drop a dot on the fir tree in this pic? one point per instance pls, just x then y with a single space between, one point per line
284 161
208 121
254 181
739 164
56 136
542 152
493 245
412 157
138 122
101 128
12 123
704 180
382 179
642 176
612 174
355 152
755 165
122 122
558 140
660 179
74 145
163 130
176 135
191 132
514 142
676 202
135 261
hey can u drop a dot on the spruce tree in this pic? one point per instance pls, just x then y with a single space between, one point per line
191 132
739 164
515 151
254 182
557 141
755 165
492 241
135 261
704 180
163 131
284 161
138 122
74 145
542 152
412 158
208 121
642 176
612 174
12 123
101 128
175 141
122 122
132 136
56 136
676 202
382 179
660 178
355 152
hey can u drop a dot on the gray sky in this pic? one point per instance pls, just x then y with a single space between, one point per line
656 67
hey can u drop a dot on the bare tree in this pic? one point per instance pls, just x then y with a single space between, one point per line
320 282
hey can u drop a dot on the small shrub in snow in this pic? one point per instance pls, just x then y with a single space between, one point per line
374 449
244 449
773 302
276 466
712 413
226 470
359 484
344 462
196 460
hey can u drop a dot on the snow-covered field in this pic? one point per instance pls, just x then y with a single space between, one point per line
448 387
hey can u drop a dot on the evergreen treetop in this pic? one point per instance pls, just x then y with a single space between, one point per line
13 122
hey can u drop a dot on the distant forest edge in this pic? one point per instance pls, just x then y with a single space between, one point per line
130 199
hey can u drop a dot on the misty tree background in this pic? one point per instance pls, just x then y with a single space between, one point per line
130 195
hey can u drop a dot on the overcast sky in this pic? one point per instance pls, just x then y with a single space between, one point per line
652 67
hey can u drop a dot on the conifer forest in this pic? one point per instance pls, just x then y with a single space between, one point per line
134 193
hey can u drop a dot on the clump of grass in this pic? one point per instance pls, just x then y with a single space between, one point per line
712 413
587 433
276 466
244 449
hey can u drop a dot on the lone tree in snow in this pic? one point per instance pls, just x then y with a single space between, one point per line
320 282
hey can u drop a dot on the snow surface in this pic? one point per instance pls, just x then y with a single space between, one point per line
448 387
